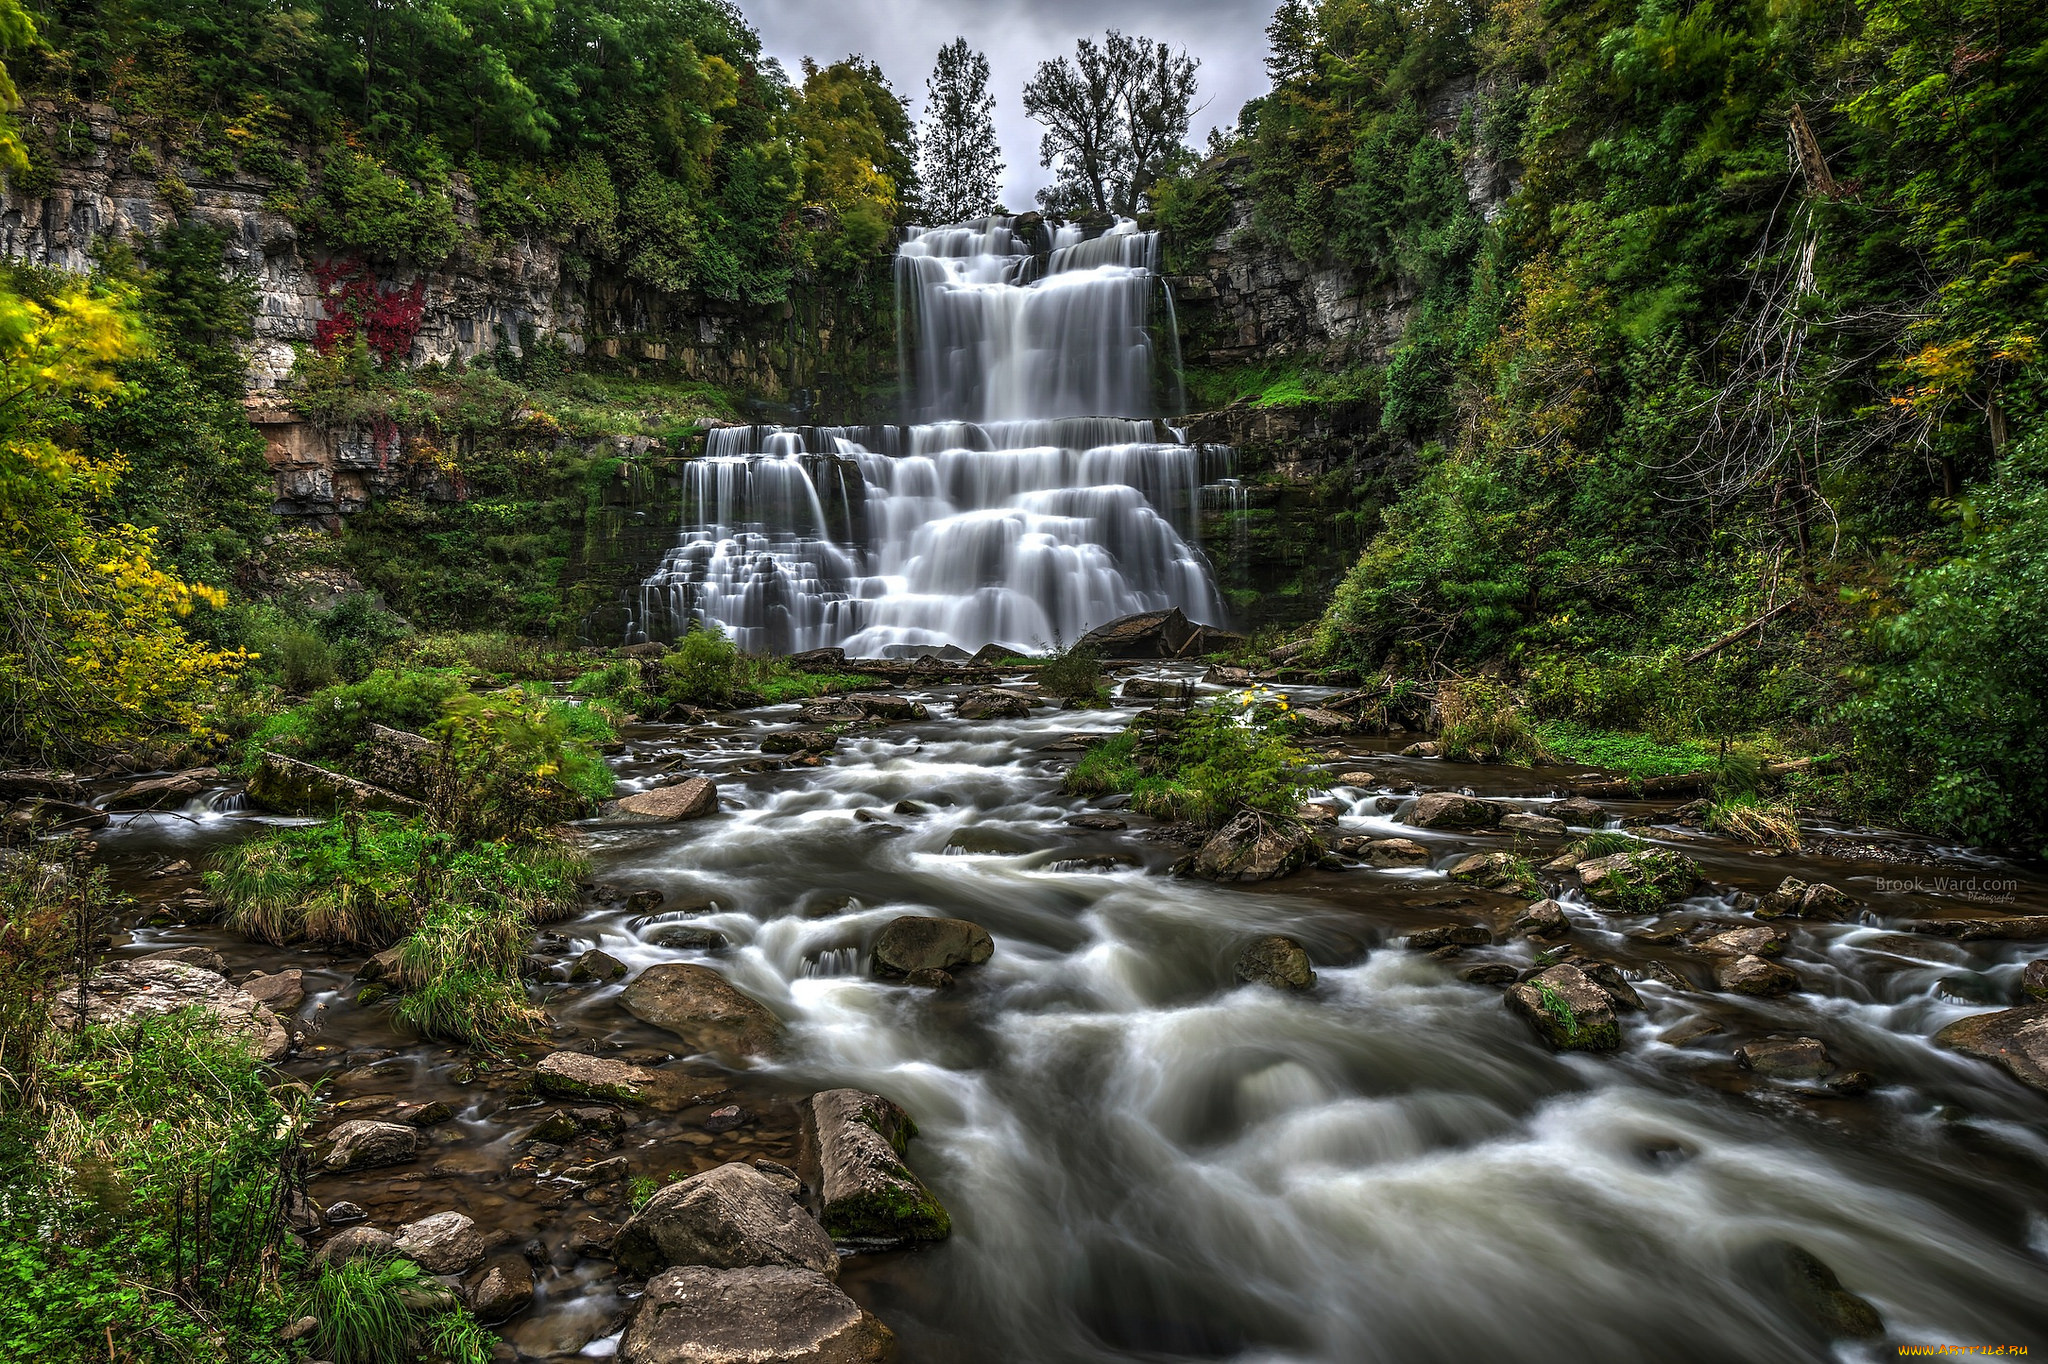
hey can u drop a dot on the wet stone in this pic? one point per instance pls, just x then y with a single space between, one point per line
703 1009
1449 810
1448 935
1278 962
2014 1039
1567 1010
352 1242
871 1199
1786 1058
1752 975
596 964
731 1217
767 1315
1493 973
446 1243
1523 822
917 942
1544 919
363 1144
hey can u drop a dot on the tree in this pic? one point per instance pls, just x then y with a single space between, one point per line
853 141
1116 117
958 155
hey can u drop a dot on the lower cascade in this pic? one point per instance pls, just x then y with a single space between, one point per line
1027 525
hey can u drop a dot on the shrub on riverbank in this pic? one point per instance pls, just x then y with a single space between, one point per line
1073 673
705 668
459 971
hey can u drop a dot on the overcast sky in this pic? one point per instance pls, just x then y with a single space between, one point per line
904 35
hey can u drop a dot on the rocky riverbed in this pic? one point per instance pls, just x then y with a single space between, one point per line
1444 1087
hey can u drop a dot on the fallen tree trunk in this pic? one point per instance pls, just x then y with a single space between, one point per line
1741 632
1649 788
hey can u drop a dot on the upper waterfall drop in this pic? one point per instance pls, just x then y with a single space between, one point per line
1036 498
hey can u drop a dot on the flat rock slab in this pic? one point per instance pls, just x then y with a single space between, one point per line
731 1217
365 1143
2016 1039
768 1315
702 1008
2001 928
1785 1058
871 1199
127 991
691 799
573 1075
1753 975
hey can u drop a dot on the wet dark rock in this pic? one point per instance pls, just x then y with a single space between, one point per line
1796 899
1281 963
878 706
1102 823
1608 977
1095 862
205 958
693 798
1494 973
1785 1058
766 1315
1425 749
1523 822
871 1199
1853 1084
782 1176
835 710
596 964
122 992
1544 919
160 793
1754 940
1495 871
344 1211
727 1119
645 899
430 1114
918 943
1395 852
1567 1010
1316 721
931 978
591 1236
911 807
505 1290
991 705
1812 1289
601 1171
1638 882
1578 812
353 1242
1255 847
2016 1039
1448 935
702 1008
731 1217
1691 1030
2034 980
686 937
557 1127
800 741
1449 810
1752 975
280 992
445 1243
1317 813
1155 689
817 661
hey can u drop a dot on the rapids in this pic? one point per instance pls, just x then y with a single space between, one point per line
1146 1160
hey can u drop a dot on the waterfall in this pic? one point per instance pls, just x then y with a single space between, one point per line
1035 499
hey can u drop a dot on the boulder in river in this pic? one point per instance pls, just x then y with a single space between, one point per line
1448 935
595 964
2016 1039
205 958
140 987
1998 928
1785 1058
1496 871
1394 852
1578 813
1763 940
702 1008
917 943
352 1242
693 798
1255 847
1449 810
990 704
2034 980
1148 634
879 706
1567 1010
1544 919
762 1315
161 793
574 1075
278 991
505 1290
871 1199
1523 822
1279 962
446 1243
1638 882
364 1143
1797 899
1753 975
1815 1293
730 1217
799 741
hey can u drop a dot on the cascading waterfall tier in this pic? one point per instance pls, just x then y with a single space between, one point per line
1035 502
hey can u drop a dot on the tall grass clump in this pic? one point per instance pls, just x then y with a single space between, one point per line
1481 721
1074 674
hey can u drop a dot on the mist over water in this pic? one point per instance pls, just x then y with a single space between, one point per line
1037 497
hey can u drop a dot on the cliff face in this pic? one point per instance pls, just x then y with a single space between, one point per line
818 353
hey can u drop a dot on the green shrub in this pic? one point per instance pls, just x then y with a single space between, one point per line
1482 722
511 766
333 726
298 658
362 1307
1107 768
703 669
1218 760
1074 674
1635 756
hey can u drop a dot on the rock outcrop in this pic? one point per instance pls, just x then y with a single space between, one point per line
702 1008
125 991
1255 847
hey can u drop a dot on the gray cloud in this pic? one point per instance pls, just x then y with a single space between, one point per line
904 35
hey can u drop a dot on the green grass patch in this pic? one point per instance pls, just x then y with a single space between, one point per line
1636 756
1106 769
1202 769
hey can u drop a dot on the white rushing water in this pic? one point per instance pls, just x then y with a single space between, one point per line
1148 1161
1038 497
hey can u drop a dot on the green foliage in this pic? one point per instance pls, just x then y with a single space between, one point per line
1483 722
1635 756
459 971
510 765
367 880
372 1310
364 206
1218 760
333 726
1073 673
703 669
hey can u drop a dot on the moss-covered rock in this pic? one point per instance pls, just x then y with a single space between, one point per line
1639 882
1567 1010
871 1199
